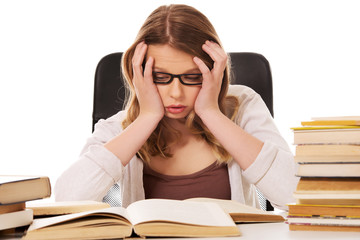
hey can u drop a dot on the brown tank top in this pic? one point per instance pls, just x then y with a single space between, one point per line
211 182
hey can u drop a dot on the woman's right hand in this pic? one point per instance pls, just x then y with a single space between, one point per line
128 142
146 91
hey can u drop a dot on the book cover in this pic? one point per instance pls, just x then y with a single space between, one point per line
328 185
344 122
12 207
310 227
15 189
306 223
324 210
327 135
328 170
328 199
328 150
16 219
328 221
301 159
328 191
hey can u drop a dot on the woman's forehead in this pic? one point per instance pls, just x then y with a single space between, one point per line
170 59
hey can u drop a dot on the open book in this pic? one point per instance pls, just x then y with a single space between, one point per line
152 217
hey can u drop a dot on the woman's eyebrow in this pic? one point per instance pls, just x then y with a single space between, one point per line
192 70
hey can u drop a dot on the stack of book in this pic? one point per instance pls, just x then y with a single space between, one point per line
15 191
328 193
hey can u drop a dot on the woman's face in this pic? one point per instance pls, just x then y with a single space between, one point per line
178 99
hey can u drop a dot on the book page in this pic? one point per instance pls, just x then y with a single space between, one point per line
45 222
231 206
197 213
64 207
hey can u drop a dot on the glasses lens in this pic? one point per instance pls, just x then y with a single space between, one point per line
192 78
161 77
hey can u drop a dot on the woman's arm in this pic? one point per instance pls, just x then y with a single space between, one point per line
110 149
242 146
253 140
125 145
96 170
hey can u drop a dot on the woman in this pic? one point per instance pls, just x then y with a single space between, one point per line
184 132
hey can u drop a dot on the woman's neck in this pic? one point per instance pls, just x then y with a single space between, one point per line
177 125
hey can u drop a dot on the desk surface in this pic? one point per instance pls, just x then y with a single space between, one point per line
279 231
276 231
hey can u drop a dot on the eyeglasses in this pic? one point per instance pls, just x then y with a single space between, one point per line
186 79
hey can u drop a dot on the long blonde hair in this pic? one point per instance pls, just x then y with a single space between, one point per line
185 28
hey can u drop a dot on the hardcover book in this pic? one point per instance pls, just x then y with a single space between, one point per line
15 189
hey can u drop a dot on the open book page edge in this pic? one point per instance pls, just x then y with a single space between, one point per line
186 212
231 206
45 222
64 207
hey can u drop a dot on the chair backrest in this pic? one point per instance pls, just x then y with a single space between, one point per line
250 69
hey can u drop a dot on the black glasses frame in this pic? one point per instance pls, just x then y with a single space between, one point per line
172 76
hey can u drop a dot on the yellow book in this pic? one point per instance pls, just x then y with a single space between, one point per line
324 210
331 122
12 207
333 228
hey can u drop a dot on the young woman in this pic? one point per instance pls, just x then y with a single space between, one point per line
184 132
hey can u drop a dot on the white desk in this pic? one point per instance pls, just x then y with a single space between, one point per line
280 231
260 231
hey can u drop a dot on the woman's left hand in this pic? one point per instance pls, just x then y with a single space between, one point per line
207 100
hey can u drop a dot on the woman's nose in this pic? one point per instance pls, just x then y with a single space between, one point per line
176 88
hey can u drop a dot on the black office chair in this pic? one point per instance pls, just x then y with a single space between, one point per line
250 69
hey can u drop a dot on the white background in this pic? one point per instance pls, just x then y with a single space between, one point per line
49 51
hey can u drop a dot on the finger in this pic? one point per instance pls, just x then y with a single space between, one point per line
205 71
217 48
215 52
138 58
149 69
210 50
218 55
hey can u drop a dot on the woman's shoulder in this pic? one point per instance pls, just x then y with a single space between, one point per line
111 125
241 92
250 104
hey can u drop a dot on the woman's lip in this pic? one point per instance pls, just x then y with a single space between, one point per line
175 108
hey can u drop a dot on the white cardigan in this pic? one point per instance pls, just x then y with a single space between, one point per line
273 171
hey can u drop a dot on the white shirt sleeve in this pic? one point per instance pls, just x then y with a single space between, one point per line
96 170
273 171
